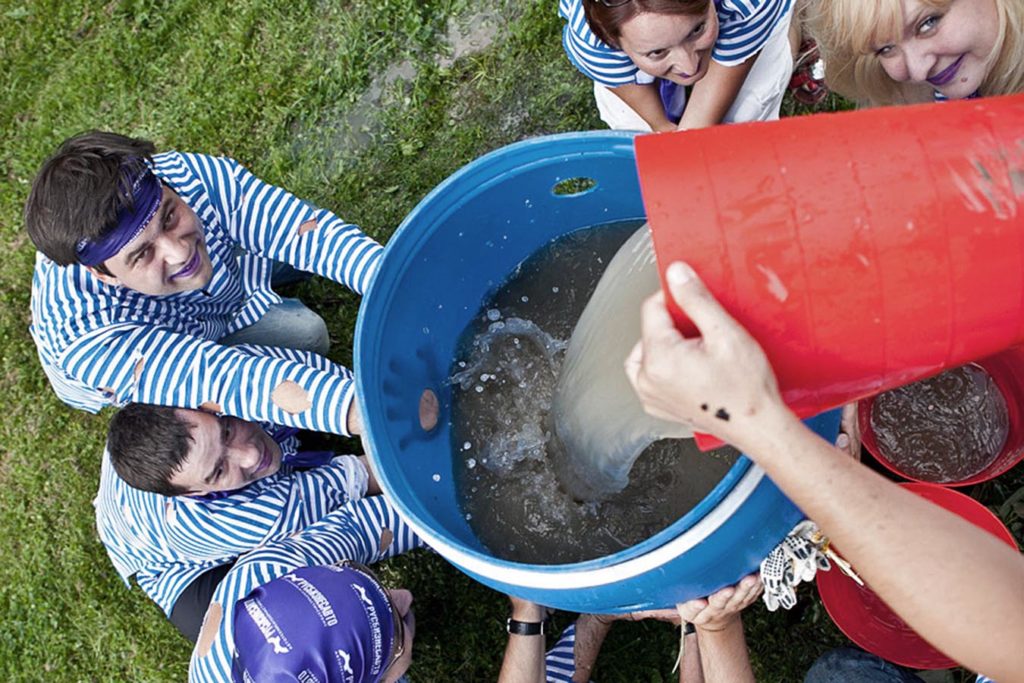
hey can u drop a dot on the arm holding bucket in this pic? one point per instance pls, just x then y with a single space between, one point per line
957 586
722 646
713 95
643 98
524 655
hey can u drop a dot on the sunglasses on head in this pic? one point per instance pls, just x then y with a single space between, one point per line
398 634
611 3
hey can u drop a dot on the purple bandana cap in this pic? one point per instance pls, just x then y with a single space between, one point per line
146 192
326 624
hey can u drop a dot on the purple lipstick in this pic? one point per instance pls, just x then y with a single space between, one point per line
190 268
946 76
263 464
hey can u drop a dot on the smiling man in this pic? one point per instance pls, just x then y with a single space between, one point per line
153 267
183 493
175 452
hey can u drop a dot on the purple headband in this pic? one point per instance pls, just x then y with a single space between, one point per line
146 194
327 624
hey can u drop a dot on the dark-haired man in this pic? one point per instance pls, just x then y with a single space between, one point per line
153 266
184 492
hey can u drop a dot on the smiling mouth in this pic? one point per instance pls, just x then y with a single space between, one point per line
190 268
263 464
686 76
945 76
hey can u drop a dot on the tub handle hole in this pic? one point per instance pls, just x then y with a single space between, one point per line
429 409
572 187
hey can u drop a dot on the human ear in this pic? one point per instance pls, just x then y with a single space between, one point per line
104 277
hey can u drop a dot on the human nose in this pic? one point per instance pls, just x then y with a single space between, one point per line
687 61
918 63
176 250
247 456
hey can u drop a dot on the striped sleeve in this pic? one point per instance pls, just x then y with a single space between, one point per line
353 532
148 364
594 58
559 662
271 222
238 523
167 542
744 27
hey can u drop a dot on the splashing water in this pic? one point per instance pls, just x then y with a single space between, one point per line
505 449
597 415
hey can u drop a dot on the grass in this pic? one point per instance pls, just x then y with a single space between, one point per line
359 106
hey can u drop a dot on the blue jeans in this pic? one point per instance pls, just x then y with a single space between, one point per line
289 325
849 665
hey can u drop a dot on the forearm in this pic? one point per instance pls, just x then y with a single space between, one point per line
591 630
524 655
960 588
713 95
646 102
723 654
372 485
262 389
275 223
690 669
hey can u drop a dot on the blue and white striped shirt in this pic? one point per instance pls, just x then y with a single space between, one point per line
744 28
560 663
353 532
101 345
166 543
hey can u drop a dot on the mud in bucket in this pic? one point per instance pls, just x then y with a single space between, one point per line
457 245
1006 371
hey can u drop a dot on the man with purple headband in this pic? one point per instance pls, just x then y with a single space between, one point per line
152 266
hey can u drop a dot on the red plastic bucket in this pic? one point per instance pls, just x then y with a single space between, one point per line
863 250
868 621
1007 371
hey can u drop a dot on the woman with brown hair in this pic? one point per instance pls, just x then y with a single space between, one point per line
733 56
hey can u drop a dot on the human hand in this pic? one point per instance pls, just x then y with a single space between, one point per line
722 608
669 615
354 419
718 382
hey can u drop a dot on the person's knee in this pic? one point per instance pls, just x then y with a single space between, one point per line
309 329
289 324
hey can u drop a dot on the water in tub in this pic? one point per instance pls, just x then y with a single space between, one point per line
540 494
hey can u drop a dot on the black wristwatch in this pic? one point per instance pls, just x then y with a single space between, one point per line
525 628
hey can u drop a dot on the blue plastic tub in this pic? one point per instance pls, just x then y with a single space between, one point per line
459 243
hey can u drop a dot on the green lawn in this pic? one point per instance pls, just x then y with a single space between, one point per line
360 106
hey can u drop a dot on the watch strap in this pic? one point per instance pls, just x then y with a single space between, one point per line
525 628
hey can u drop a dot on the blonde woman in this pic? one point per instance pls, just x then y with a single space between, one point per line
880 52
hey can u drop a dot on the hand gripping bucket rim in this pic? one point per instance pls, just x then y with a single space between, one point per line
866 620
403 251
